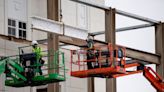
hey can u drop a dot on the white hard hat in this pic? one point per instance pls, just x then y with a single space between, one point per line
90 37
34 42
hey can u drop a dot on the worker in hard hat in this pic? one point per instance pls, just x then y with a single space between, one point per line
90 52
90 42
38 52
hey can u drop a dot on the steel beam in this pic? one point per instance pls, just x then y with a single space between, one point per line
130 52
47 25
91 4
159 41
72 41
126 28
68 40
53 40
59 28
134 16
91 87
134 27
137 54
110 34
142 55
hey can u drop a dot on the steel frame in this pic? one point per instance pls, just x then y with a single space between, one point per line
134 16
159 27
110 36
125 28
159 41
53 39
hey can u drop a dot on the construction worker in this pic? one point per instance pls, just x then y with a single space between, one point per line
90 51
38 52
90 42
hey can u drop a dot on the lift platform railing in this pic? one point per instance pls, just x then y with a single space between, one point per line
97 59
58 59
79 57
24 69
2 66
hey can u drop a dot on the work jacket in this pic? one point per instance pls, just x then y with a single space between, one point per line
90 44
37 50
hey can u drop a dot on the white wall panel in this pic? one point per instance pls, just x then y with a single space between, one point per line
69 12
82 16
36 8
2 16
17 9
96 17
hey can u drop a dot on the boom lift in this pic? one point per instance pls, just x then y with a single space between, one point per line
23 69
109 61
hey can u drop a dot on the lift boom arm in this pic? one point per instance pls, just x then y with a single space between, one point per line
154 78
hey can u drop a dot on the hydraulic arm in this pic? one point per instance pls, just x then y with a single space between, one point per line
154 78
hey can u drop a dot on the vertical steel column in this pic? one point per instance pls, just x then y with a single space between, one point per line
110 32
53 41
159 42
91 87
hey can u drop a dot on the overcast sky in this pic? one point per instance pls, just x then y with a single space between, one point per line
142 39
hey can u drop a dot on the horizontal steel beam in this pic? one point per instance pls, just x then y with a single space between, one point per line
150 58
70 35
134 16
67 40
126 28
132 61
59 28
142 55
91 4
72 41
131 53
137 54
134 27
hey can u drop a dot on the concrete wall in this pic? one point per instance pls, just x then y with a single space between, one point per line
72 14
2 17
36 8
83 16
96 17
69 12
22 10
9 48
17 9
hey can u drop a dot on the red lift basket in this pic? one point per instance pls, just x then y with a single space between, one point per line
114 64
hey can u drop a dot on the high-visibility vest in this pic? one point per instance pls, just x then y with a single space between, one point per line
38 52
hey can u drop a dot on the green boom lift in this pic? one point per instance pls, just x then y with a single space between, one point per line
23 69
